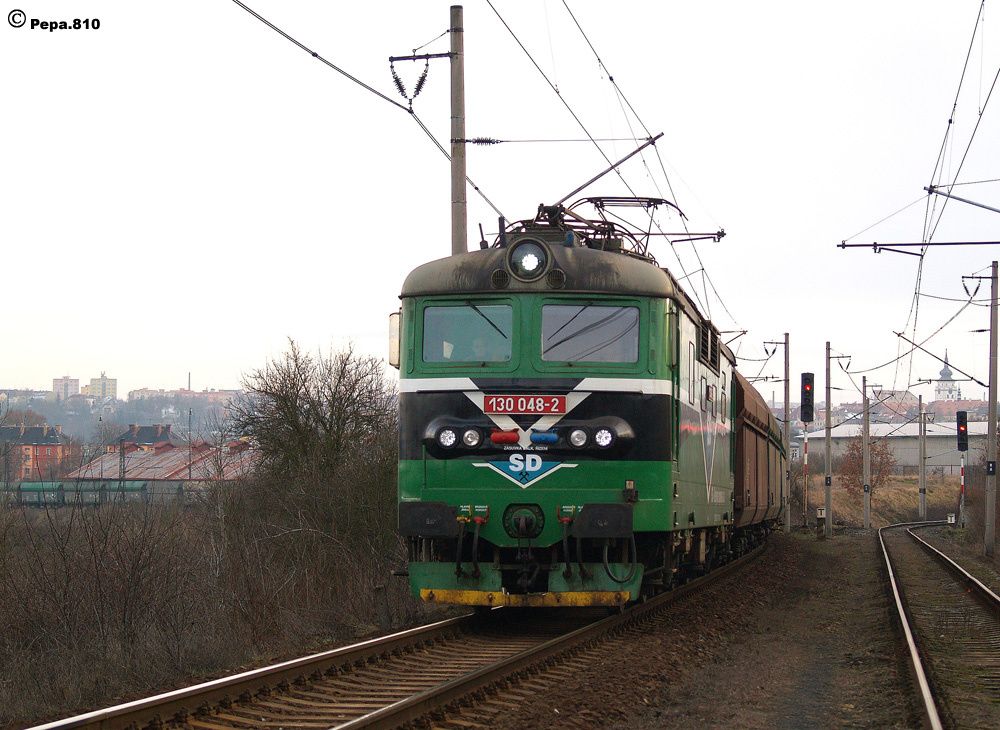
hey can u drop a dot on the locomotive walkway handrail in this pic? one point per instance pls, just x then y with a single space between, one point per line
419 705
931 716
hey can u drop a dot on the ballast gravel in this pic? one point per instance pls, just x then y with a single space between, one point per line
803 637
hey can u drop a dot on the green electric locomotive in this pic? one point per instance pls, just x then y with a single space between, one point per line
572 430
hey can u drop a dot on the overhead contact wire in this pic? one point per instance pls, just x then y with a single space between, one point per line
927 339
582 126
365 86
931 206
666 177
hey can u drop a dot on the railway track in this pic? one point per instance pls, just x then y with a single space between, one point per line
951 622
392 680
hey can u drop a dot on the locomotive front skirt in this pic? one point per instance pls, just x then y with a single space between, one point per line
572 431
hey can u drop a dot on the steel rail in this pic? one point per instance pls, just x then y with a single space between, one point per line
981 589
165 705
172 706
932 717
419 705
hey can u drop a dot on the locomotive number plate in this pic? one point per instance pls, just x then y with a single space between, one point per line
509 405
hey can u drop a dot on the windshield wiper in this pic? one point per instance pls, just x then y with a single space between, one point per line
587 328
570 320
478 311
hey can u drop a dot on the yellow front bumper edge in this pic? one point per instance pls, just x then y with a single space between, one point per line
526 600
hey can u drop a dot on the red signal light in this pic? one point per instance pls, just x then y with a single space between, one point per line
962 421
808 387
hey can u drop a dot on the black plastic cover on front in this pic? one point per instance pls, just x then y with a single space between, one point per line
427 519
603 520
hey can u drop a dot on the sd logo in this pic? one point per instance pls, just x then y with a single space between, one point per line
525 462
524 469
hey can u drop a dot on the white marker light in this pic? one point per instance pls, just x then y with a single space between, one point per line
578 437
471 438
447 438
603 438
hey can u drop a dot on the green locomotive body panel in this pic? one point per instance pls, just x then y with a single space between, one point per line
499 505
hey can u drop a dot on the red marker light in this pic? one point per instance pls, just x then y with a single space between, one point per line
504 437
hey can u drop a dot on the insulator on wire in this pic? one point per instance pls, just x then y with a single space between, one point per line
422 80
483 140
398 82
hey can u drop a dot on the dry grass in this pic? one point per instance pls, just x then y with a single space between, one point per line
118 601
100 605
895 502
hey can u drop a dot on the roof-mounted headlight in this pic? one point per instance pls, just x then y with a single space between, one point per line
528 259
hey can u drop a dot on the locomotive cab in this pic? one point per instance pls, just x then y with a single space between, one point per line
559 443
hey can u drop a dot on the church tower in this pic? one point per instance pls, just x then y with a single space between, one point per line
946 388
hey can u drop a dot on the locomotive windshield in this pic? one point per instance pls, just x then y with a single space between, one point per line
589 333
468 333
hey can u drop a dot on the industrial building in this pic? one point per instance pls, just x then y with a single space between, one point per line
942 444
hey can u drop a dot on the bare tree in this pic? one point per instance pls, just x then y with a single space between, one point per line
306 412
851 474
104 600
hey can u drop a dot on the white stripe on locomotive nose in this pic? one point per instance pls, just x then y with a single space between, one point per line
647 386
417 385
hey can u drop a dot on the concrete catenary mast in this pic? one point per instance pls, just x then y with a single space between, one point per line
459 214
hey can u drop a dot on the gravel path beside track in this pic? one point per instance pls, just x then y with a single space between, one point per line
802 638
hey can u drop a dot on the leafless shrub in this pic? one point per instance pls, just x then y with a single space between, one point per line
103 602
851 472
97 601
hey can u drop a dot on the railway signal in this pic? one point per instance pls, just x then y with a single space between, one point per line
807 398
962 417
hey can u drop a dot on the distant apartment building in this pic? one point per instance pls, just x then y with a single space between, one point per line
147 393
208 396
102 387
32 453
65 387
16 398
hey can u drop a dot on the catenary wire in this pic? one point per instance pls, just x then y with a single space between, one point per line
954 107
958 172
557 92
578 121
968 146
975 182
931 206
666 177
923 342
430 135
374 91
673 195
883 220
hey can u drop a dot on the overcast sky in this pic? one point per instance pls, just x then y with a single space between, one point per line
183 189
